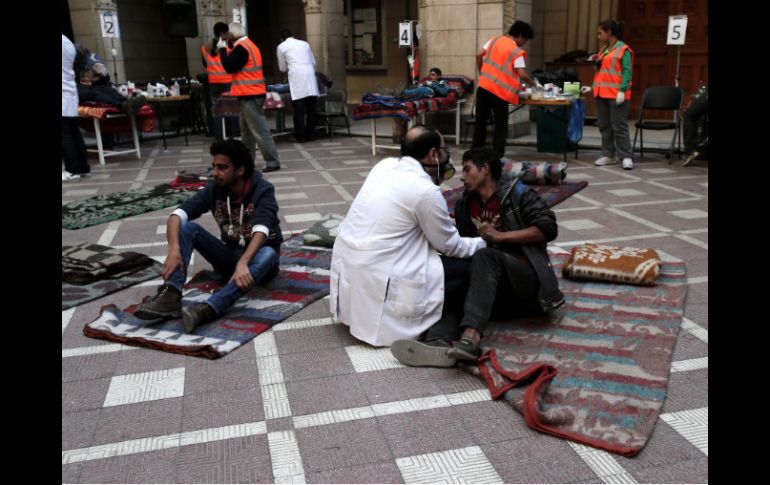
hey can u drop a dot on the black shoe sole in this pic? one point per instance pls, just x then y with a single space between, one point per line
271 169
419 354
150 315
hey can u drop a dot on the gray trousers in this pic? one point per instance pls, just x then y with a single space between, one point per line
255 131
613 125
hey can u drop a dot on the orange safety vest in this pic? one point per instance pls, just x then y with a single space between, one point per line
608 78
217 73
250 80
497 73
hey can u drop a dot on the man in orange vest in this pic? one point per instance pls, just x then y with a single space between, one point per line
244 62
501 72
219 79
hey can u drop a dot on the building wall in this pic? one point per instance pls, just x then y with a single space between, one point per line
396 73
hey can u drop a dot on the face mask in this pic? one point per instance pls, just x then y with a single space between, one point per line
444 170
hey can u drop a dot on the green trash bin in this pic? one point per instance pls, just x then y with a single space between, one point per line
550 129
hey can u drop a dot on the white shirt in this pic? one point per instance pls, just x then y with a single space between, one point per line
519 62
387 280
296 56
69 92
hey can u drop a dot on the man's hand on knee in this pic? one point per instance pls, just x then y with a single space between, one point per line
242 276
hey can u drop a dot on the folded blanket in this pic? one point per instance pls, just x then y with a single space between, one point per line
597 262
85 263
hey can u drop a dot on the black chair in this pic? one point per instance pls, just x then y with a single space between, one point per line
334 106
661 98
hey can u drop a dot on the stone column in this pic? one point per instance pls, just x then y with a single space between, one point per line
209 13
87 29
325 30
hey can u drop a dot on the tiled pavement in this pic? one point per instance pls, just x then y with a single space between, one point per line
306 402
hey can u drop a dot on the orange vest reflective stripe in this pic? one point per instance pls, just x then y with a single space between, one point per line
608 79
497 73
250 80
217 73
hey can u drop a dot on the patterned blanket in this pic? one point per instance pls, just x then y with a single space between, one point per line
404 109
303 278
85 263
145 118
594 371
110 207
74 295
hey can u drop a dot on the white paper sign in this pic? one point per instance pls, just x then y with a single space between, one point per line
239 15
405 34
677 28
109 20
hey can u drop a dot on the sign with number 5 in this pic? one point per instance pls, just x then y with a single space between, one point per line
109 21
677 28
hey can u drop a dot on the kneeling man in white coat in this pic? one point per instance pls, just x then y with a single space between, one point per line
387 279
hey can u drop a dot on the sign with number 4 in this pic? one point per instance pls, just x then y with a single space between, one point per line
405 34
677 28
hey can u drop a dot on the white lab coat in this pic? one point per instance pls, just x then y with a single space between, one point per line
69 92
387 280
297 56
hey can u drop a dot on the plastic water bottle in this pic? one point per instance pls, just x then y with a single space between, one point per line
175 90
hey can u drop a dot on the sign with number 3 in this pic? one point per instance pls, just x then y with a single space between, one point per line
677 28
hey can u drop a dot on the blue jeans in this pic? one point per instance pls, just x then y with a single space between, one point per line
263 266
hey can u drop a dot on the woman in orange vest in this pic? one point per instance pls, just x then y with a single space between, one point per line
219 79
501 72
612 91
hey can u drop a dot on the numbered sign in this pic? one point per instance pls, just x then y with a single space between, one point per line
109 20
677 28
239 15
405 34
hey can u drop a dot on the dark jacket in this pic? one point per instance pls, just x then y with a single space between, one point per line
259 207
532 211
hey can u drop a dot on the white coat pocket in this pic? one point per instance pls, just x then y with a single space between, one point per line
407 297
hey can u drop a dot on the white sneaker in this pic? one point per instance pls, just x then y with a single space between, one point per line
602 161
65 175
628 164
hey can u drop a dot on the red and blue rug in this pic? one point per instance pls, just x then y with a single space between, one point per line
303 278
596 370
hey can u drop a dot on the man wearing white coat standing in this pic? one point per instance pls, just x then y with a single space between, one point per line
387 279
296 56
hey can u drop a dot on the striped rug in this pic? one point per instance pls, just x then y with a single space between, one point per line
596 370
303 278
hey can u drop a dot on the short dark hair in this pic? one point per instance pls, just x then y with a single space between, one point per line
419 145
436 70
220 28
521 28
238 153
610 26
285 34
488 155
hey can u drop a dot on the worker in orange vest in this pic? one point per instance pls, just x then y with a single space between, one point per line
501 72
612 91
244 62
219 79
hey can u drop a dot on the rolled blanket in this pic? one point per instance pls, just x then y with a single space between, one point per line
536 173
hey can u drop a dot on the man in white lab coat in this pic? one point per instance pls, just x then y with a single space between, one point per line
387 279
296 56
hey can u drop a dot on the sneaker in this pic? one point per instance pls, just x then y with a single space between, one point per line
65 176
196 315
271 168
692 156
422 354
628 164
167 303
465 349
602 161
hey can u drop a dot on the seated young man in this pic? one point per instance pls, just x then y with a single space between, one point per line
512 277
245 253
